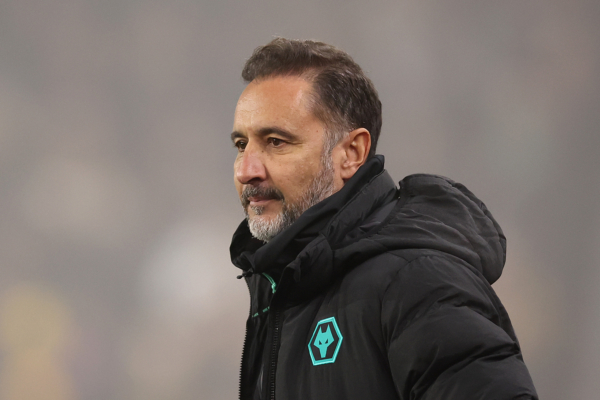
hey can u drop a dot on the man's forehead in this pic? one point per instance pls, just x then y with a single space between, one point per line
291 90
273 101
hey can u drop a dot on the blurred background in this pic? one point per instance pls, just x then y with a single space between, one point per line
116 186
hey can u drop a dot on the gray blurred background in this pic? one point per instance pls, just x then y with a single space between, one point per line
116 186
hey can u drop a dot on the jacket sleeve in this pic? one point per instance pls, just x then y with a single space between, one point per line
449 337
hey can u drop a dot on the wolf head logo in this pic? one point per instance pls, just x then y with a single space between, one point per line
323 340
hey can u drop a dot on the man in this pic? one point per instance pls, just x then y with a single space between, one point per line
358 289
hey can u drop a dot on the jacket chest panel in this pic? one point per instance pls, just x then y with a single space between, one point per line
333 352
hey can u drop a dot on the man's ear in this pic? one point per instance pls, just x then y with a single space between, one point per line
355 150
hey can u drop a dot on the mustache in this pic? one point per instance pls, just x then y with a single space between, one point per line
258 191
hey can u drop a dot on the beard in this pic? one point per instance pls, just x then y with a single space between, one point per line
321 187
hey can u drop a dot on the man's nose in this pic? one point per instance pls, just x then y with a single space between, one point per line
250 167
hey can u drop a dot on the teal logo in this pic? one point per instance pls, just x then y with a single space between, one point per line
325 342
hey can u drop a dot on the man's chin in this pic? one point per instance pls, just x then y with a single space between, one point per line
265 227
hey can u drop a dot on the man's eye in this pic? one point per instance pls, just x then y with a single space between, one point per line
240 144
276 142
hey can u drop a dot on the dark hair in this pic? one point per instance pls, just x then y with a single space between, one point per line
345 98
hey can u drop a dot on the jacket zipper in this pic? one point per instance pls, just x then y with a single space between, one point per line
273 363
244 345
276 335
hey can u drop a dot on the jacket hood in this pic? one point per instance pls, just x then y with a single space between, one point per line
370 216
434 212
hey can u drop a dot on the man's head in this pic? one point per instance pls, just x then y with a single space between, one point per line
308 119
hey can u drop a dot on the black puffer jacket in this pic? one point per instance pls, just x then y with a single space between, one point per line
381 293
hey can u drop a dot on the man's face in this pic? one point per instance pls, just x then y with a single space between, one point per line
279 170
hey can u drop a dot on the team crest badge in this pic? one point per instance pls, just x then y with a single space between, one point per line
325 342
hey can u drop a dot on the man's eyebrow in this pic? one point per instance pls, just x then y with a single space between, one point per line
236 135
281 132
267 131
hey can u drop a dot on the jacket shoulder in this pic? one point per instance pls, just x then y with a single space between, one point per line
414 281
